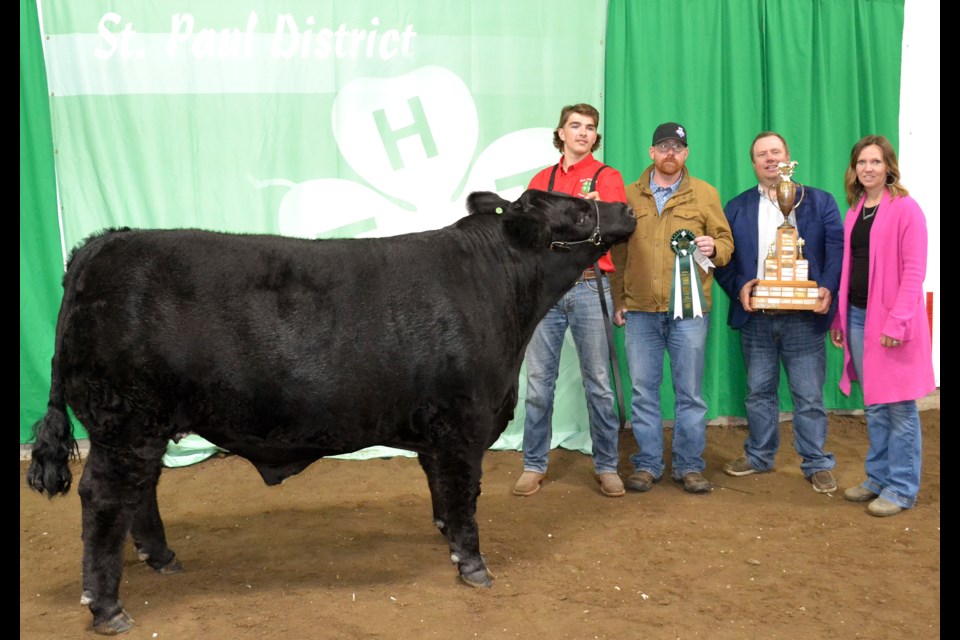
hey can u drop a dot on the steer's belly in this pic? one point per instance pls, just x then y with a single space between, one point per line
277 460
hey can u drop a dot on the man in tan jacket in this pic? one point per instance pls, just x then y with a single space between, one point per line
661 293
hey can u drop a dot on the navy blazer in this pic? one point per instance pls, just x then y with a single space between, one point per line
818 223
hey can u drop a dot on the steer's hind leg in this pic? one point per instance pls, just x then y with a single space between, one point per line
457 486
149 538
148 533
111 491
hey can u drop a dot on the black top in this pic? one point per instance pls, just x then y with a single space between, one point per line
860 256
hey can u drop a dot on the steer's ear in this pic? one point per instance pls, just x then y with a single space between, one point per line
486 202
526 225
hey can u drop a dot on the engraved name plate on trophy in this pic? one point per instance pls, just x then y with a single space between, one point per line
785 270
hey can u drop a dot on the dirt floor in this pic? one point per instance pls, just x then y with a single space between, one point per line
347 550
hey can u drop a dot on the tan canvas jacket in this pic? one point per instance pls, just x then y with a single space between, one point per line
645 263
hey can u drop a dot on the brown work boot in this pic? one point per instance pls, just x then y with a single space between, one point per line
694 482
641 481
528 483
610 484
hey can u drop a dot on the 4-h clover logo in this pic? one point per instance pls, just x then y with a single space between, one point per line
413 139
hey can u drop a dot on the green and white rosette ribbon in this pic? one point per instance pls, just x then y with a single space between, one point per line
686 295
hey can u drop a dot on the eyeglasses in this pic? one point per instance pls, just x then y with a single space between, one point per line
676 147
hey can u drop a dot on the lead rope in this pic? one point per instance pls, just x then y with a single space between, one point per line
608 323
614 361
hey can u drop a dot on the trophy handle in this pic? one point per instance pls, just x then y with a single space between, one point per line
803 192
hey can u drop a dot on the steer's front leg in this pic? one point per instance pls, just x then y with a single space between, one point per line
432 469
458 484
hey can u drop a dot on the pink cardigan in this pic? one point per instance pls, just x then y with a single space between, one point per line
895 305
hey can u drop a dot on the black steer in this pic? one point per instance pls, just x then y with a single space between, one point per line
286 350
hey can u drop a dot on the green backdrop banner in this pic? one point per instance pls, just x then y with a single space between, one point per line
822 73
346 118
352 118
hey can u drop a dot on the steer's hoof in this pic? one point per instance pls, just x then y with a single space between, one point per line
117 624
173 566
478 578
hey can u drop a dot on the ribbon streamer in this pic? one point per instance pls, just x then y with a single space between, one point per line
686 294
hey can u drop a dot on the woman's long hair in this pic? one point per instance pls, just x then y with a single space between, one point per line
854 189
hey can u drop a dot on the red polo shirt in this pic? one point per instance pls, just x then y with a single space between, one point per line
609 186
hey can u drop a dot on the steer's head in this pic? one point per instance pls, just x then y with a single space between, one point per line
555 221
558 235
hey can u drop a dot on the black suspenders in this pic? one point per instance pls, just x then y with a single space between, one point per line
593 183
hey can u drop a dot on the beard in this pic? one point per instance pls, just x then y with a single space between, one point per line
669 165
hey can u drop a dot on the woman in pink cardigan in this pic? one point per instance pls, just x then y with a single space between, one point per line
882 323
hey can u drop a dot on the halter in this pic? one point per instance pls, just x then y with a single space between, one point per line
594 239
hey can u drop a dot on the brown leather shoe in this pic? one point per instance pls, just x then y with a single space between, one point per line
694 482
528 483
610 484
823 481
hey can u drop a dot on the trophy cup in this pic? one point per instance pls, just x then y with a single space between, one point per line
785 270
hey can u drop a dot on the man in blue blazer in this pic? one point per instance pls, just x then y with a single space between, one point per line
769 337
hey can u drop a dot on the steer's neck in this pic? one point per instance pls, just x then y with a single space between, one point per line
561 270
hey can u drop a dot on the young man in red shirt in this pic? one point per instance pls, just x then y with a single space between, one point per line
577 173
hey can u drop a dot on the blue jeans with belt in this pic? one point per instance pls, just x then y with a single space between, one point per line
767 340
647 336
893 458
579 309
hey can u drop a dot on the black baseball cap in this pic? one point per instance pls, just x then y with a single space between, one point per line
670 131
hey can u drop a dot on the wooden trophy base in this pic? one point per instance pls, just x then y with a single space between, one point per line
791 295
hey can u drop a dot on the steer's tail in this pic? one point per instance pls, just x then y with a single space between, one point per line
49 470
54 443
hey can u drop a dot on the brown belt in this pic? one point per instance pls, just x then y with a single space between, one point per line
590 274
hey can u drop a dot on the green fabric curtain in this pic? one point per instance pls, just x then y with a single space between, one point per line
41 257
823 73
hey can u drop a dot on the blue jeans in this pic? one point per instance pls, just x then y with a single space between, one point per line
647 335
792 338
580 310
893 459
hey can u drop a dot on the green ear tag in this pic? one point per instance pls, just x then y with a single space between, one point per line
499 210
